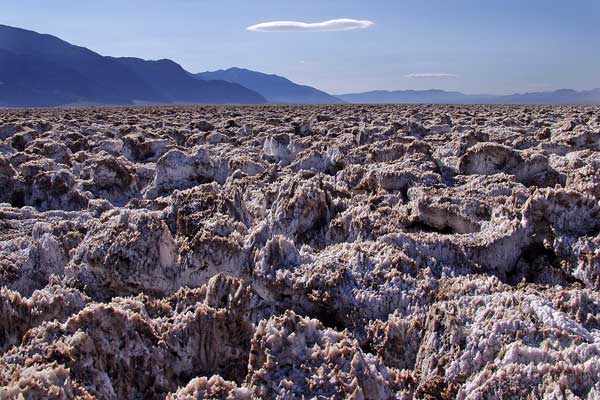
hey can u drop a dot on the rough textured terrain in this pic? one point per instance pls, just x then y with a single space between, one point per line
279 252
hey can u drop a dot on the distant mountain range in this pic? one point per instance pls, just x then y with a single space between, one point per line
42 70
276 89
38 70
434 96
177 86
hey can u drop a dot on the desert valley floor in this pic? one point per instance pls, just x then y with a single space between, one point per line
280 252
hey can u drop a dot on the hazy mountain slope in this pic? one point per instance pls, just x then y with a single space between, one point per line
406 96
434 96
276 89
170 79
563 96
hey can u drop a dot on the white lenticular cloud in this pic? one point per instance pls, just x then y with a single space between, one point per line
431 75
344 24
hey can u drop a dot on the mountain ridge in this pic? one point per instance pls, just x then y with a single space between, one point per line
110 81
275 88
176 84
84 76
39 70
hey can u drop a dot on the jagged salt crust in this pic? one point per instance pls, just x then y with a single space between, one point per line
278 252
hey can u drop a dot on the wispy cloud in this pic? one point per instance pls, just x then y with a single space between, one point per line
430 75
344 24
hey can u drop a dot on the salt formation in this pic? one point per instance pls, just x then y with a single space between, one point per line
277 252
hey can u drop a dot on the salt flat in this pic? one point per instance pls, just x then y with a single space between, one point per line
284 251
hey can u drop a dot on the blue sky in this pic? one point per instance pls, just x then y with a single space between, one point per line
493 46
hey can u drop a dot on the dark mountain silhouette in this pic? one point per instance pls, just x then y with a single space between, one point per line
31 81
276 89
176 84
434 96
53 72
109 81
